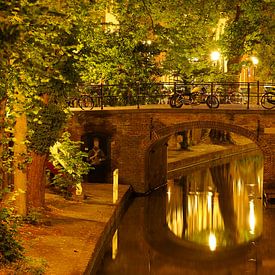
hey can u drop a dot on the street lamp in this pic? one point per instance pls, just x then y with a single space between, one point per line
255 60
215 56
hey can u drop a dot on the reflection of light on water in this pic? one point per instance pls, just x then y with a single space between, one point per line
174 209
209 201
212 242
260 182
252 220
193 207
239 186
169 194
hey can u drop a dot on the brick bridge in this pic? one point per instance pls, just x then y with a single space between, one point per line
136 138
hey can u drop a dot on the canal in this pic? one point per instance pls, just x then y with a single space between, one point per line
206 221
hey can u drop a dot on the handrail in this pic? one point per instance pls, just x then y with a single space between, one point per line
157 92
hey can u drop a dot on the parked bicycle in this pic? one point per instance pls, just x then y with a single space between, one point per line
197 96
84 102
268 98
236 98
230 96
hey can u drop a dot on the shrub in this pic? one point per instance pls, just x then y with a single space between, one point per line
10 248
69 161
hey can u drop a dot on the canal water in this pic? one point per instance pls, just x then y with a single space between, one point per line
206 221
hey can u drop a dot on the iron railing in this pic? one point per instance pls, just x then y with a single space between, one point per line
245 94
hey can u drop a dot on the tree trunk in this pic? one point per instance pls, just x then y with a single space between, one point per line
36 181
3 181
20 151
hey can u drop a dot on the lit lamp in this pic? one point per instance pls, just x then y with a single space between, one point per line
215 56
255 60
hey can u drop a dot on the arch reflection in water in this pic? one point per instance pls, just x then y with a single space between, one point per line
218 206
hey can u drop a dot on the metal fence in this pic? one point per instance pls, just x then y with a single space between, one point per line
245 94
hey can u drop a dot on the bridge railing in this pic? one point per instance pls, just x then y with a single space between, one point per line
238 94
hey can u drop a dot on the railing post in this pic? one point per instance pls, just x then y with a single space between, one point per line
138 94
175 87
211 92
212 88
248 95
258 92
101 96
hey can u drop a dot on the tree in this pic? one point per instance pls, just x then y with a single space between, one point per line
36 53
249 31
116 54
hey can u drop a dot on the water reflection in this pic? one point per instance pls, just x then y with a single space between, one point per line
197 225
218 206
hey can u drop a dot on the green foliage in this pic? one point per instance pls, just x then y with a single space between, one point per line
36 62
70 163
10 248
33 217
250 31
28 265
45 127
116 53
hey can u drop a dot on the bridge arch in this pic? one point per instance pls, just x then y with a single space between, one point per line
161 135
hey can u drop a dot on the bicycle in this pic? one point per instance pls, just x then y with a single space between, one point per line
85 102
196 97
268 99
236 98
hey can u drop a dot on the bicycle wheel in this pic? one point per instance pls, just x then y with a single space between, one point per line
212 101
86 102
72 103
268 101
236 98
176 101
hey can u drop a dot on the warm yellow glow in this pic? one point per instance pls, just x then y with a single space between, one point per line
169 194
239 184
115 186
215 56
115 245
255 60
212 242
209 201
252 220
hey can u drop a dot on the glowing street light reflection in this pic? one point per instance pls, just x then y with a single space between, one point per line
212 242
252 220
169 194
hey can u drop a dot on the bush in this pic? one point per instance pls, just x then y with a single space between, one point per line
69 161
10 248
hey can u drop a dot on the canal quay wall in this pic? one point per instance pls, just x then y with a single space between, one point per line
206 155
